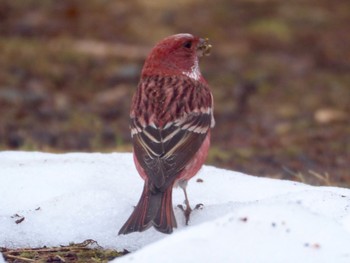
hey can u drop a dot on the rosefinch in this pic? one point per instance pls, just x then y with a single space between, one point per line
170 120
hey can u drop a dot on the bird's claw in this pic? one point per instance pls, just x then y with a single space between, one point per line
188 210
199 206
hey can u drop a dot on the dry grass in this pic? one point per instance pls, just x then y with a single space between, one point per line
86 252
312 177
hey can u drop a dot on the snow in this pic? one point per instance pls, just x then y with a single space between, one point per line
77 196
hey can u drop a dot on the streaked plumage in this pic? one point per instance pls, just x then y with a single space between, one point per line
170 120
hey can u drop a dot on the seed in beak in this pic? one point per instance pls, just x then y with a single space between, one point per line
204 47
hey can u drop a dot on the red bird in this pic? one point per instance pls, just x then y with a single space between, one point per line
170 120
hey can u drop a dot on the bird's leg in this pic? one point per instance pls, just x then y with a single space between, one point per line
188 210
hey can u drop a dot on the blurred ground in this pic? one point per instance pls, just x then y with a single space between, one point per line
279 72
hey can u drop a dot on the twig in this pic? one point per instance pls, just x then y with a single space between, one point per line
18 257
54 249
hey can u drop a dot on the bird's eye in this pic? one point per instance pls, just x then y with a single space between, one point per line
188 44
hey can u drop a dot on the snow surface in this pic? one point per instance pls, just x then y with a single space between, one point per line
77 196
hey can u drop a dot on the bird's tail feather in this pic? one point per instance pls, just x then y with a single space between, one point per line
153 209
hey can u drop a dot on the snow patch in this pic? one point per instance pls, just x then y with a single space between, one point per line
65 198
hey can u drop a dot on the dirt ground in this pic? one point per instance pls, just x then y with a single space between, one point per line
279 72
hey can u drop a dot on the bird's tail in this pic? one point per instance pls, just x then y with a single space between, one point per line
153 209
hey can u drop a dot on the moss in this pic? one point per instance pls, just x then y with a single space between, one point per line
29 254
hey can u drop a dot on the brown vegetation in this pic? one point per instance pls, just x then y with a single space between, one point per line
279 72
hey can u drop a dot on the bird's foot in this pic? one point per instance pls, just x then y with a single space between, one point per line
187 212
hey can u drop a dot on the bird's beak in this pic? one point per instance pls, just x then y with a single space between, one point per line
204 47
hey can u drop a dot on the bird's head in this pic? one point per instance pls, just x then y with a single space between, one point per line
177 55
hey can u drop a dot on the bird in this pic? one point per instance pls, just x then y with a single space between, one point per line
171 118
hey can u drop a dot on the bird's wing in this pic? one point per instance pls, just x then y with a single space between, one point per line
164 152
